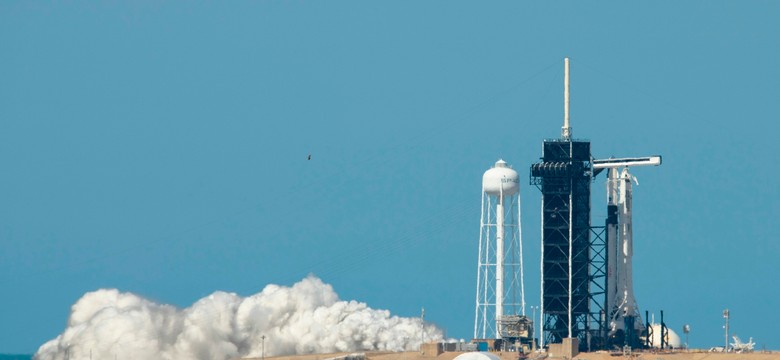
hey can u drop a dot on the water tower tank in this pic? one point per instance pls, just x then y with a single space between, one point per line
498 177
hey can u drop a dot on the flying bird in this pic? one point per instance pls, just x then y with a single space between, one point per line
309 158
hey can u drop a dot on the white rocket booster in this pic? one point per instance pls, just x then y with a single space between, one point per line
621 306
621 303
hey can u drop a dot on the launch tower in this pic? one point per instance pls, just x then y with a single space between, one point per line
587 288
564 176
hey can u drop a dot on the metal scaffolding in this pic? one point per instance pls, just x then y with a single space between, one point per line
564 178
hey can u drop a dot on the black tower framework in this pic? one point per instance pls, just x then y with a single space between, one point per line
597 326
564 176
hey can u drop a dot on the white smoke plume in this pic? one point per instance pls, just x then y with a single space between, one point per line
303 319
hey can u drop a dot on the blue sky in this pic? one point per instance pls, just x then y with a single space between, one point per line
160 148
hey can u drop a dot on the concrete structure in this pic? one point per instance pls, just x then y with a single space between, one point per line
567 349
431 349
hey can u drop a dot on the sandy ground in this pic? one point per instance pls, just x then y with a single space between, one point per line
693 355
682 356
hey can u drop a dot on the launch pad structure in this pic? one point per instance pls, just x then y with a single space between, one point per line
586 270
568 301
587 296
573 263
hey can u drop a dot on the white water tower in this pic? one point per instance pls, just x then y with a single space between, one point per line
500 288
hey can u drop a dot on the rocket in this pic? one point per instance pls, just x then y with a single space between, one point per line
623 319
